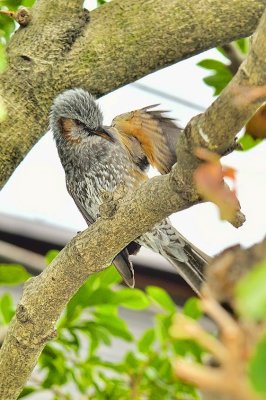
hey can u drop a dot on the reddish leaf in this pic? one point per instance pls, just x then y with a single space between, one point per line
209 180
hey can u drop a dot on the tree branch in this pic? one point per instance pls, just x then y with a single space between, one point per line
123 41
234 55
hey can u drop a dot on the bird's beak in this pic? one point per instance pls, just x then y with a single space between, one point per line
105 133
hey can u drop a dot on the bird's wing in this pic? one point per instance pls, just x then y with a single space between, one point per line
121 261
156 133
88 218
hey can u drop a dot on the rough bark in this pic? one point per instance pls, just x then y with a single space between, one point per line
123 41
45 296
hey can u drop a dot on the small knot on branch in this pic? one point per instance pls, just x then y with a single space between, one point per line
22 16
22 314
110 201
108 207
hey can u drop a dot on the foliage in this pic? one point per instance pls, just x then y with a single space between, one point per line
12 274
220 77
257 367
251 305
247 142
7 309
221 74
90 322
148 370
251 294
101 2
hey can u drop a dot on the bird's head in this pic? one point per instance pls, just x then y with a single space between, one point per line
76 116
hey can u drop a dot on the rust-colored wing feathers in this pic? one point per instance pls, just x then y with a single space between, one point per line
156 134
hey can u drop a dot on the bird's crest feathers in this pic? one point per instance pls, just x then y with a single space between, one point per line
74 105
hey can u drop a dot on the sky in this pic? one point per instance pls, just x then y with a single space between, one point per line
37 188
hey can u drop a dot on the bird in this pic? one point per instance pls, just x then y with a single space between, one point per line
98 158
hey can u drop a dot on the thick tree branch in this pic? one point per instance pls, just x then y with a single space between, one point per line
124 41
45 296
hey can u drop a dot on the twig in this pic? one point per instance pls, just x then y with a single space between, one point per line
22 15
234 55
236 341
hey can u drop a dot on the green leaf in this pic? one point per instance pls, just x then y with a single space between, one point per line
85 298
3 112
221 77
247 142
251 293
162 328
192 308
222 51
213 65
13 274
257 367
27 3
107 277
131 361
114 325
188 347
162 298
243 45
50 256
95 290
146 341
3 61
54 360
26 391
218 81
12 4
7 308
131 298
7 26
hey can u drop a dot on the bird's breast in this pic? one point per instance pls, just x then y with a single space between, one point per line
102 169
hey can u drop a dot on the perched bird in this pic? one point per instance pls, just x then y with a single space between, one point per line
98 159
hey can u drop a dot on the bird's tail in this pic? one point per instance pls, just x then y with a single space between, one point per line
192 266
125 267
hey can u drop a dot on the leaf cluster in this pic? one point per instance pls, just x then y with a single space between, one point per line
91 322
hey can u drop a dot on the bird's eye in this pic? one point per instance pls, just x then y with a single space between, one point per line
79 123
